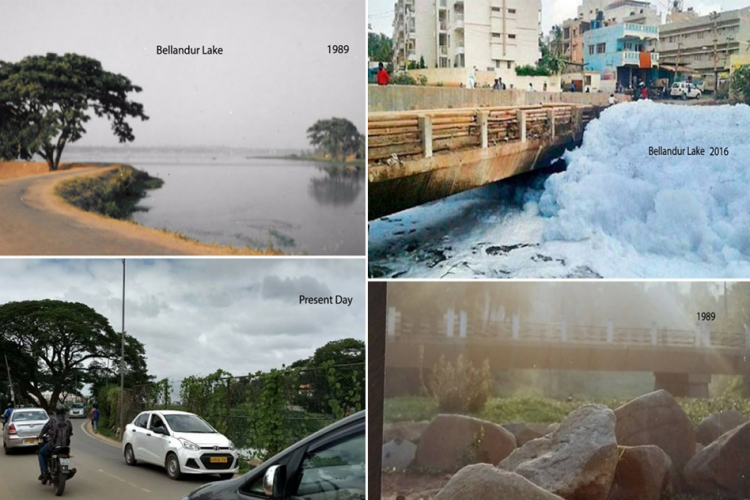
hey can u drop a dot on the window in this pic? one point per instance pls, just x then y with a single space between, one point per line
496 9
141 421
156 421
511 11
337 469
512 37
601 48
591 50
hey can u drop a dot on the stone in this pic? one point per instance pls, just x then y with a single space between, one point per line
485 482
723 467
657 419
714 426
398 455
407 431
577 461
643 472
551 428
524 433
453 441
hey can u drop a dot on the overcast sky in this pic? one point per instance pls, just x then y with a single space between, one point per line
380 14
198 315
275 79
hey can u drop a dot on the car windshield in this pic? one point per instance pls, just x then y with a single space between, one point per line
189 423
77 406
29 415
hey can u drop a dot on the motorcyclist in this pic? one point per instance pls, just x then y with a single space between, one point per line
59 430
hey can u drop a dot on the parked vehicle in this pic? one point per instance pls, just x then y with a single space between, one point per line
23 428
58 468
685 90
77 410
181 442
328 464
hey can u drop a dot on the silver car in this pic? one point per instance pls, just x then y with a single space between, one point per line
23 428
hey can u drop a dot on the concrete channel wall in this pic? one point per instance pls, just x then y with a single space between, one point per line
410 98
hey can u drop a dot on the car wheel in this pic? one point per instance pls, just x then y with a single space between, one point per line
173 467
7 450
228 475
130 456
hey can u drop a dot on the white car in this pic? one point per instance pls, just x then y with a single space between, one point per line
181 442
77 410
684 90
23 428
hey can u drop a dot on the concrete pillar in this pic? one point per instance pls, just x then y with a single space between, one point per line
516 322
654 333
450 319
578 120
391 322
522 125
425 127
564 330
551 121
462 324
483 119
610 332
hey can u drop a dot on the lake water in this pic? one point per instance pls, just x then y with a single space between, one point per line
300 207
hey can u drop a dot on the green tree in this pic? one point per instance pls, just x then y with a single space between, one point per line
739 85
55 347
379 47
337 137
340 352
45 103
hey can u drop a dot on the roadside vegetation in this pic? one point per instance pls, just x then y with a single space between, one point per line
115 193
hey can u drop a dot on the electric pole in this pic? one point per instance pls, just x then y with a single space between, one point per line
122 355
714 16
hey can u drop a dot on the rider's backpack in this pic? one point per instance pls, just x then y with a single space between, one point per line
60 434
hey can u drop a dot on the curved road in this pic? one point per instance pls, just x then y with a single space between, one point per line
102 475
33 221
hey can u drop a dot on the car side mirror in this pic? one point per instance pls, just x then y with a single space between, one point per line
160 430
273 481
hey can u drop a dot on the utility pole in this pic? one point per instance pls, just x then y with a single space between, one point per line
679 59
122 355
10 382
714 16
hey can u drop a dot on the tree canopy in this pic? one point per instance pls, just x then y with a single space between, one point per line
337 137
380 47
55 347
45 103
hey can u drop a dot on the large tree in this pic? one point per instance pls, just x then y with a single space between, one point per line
45 103
338 137
379 47
56 347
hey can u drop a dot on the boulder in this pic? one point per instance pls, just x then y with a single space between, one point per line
643 472
453 441
407 431
657 419
723 467
524 433
398 455
714 426
485 482
577 461
551 428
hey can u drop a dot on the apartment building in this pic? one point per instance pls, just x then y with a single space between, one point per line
572 40
482 34
619 11
707 43
619 52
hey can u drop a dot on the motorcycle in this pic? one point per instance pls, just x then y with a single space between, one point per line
58 467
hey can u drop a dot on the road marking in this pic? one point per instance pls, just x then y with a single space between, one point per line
83 428
124 481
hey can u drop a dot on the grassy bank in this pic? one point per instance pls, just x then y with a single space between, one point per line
115 193
546 411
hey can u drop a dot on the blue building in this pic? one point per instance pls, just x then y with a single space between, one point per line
622 52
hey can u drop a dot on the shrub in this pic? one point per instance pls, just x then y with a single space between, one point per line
403 79
739 85
532 71
460 387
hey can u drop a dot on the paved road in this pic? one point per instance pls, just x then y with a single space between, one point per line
102 475
31 223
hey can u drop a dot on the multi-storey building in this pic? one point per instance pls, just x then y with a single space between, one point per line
706 44
620 52
619 11
572 40
482 34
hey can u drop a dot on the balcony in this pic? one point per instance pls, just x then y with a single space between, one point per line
444 50
460 48
443 4
641 31
458 22
632 58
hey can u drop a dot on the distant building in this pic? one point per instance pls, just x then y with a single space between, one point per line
482 34
706 43
622 52
619 11
572 40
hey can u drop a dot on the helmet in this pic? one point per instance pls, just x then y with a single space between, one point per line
60 409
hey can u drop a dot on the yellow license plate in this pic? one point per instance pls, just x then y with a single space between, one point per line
218 460
30 441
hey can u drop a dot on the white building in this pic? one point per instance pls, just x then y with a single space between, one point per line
620 11
485 34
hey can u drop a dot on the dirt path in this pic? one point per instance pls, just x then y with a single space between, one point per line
35 221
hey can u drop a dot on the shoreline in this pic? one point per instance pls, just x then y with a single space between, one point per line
353 163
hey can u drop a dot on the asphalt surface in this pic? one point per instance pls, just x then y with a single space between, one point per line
102 475
29 225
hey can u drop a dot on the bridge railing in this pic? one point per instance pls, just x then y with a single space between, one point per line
422 134
456 327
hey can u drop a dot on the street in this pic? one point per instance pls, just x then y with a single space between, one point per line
102 474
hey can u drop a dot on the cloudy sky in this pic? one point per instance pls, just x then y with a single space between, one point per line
380 14
275 78
198 315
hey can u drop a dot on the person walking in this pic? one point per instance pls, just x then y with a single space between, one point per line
383 77
95 419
